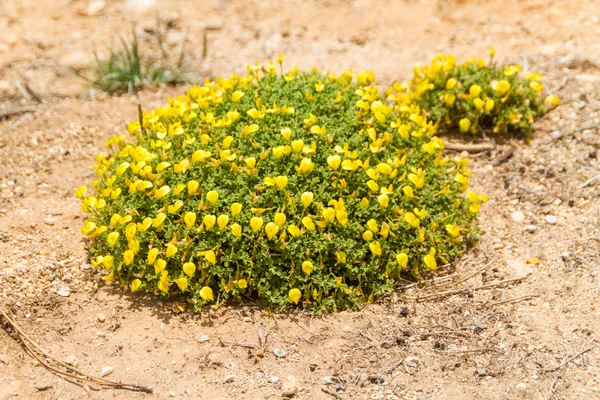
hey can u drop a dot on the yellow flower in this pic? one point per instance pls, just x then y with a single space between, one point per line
211 257
501 87
334 161
536 86
159 219
383 200
385 229
112 238
450 83
236 230
308 223
422 213
449 99
159 266
236 208
212 196
295 295
189 269
286 133
307 267
279 219
329 214
368 236
171 250
128 257
192 187
271 229
412 220
342 217
373 185
190 219
79 193
429 260
135 285
552 101
206 293
306 198
294 230
256 223
464 124
318 130
242 283
478 103
281 181
474 90
375 248
489 105
237 96
122 168
209 221
453 230
402 259
108 261
163 282
182 283
492 51
306 166
249 129
222 221
152 254
372 225
341 257
162 192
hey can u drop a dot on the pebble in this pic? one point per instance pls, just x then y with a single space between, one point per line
273 379
290 386
213 24
565 255
204 338
531 228
279 353
63 291
71 360
171 394
106 371
481 372
49 221
101 317
521 386
518 216
229 379
412 362
551 219
95 6
326 380
268 393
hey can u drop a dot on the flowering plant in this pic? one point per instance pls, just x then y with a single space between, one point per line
472 95
297 188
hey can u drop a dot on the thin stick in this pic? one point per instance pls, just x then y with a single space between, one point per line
453 292
31 345
514 300
480 270
471 148
331 393
568 360
19 111
228 343
584 128
589 181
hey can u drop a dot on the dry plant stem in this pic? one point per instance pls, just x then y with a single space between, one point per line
471 148
330 392
82 377
19 111
453 292
515 300
562 364
506 154
584 128
589 181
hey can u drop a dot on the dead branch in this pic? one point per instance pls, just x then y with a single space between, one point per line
568 360
505 156
589 181
471 148
76 375
514 300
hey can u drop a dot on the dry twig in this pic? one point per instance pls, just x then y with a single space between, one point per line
568 360
577 130
76 375
19 111
453 292
471 148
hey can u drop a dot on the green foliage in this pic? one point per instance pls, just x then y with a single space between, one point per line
129 70
474 95
304 188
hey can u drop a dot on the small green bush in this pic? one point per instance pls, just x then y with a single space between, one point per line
289 188
472 95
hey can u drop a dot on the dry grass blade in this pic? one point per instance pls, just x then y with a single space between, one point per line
78 376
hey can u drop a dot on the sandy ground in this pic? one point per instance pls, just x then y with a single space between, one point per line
532 337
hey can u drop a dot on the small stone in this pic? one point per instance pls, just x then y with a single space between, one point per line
412 362
531 228
326 380
86 267
290 386
40 386
268 393
518 216
204 338
565 255
229 379
49 221
171 394
481 372
273 379
95 6
101 317
63 291
71 360
521 386
551 219
279 353
106 371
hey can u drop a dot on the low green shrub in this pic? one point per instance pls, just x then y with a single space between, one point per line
296 188
472 95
